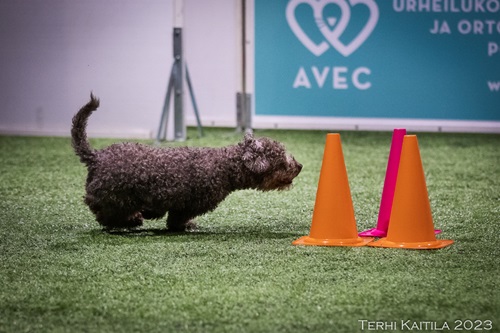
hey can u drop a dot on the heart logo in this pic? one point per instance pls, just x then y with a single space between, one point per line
332 36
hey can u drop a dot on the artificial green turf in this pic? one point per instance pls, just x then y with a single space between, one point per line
239 273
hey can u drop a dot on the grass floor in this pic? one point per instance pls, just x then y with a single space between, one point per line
239 273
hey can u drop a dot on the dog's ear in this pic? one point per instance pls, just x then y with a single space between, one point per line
253 156
257 164
249 135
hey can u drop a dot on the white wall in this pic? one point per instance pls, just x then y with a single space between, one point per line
211 47
54 52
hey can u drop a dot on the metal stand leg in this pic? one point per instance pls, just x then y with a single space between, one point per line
162 130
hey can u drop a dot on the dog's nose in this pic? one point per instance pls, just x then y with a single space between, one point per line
299 166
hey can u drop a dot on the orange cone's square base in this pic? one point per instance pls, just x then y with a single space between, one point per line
354 242
429 245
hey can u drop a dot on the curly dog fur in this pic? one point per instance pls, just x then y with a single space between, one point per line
130 182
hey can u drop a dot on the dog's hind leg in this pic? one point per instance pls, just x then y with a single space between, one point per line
112 217
179 221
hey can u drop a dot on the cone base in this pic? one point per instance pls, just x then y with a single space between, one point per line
354 242
437 244
373 233
381 233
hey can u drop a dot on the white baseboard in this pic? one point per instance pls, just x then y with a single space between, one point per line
359 124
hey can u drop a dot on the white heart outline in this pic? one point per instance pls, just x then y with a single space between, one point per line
332 36
316 49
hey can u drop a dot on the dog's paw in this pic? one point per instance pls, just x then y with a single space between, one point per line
191 226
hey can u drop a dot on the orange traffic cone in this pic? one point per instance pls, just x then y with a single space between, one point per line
411 224
333 222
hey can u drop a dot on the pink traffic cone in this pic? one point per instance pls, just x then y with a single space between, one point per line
391 175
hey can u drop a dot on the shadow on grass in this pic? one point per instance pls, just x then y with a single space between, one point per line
243 233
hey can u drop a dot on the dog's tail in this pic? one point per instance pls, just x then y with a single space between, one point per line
79 140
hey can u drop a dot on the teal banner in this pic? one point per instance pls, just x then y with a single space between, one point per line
423 59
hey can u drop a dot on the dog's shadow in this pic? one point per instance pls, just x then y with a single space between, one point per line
199 234
149 232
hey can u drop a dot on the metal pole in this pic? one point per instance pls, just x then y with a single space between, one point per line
179 125
243 99
243 47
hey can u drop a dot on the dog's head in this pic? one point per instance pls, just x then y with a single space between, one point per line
267 160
